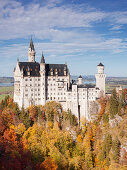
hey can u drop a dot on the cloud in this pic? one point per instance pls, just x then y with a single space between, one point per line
19 21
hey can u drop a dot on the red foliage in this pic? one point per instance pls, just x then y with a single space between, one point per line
102 102
48 164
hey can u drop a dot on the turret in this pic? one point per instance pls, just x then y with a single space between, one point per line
80 80
31 52
43 80
100 68
42 63
100 78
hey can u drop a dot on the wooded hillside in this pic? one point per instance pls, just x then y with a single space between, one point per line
47 137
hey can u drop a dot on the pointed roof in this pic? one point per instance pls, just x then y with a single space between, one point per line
18 59
31 44
80 76
42 58
100 64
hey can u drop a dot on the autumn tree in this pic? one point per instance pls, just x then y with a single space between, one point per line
116 150
114 103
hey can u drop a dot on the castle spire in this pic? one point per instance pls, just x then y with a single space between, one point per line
17 59
42 58
31 52
31 44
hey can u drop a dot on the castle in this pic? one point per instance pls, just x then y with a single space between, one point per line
37 83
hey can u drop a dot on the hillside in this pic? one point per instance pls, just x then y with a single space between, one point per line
47 137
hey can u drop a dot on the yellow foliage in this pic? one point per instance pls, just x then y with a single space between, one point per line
20 129
79 138
50 124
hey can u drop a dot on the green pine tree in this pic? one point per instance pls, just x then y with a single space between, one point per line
114 104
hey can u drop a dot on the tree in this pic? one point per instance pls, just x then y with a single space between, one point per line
114 103
48 164
116 150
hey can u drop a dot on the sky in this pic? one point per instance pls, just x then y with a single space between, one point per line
81 33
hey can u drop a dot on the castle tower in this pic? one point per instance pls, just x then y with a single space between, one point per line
43 80
31 52
80 80
100 78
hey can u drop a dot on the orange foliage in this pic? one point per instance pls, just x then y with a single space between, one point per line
79 138
48 164
33 112
102 102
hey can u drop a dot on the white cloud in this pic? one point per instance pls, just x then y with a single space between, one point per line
18 21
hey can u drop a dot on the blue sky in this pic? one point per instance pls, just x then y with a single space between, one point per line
81 33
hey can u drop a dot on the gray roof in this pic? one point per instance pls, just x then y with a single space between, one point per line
100 64
86 86
56 67
31 44
34 69
42 58
80 76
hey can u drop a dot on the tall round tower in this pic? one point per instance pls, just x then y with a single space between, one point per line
100 78
31 52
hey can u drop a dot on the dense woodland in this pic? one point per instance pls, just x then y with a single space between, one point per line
47 137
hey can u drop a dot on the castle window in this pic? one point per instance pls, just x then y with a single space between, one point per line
26 94
38 89
38 84
30 79
51 98
54 97
38 79
32 94
25 79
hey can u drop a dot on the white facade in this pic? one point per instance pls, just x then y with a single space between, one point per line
36 83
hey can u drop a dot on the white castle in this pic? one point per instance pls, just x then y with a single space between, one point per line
37 83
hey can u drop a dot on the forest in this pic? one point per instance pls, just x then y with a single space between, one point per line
49 138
